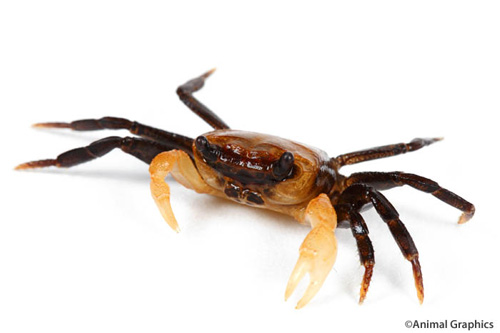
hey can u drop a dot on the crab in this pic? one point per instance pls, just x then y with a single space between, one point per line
272 173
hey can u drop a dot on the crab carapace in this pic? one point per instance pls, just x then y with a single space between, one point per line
272 173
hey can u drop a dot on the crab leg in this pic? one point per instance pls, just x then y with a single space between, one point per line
346 212
383 151
358 195
185 93
318 251
387 180
145 150
366 253
168 139
180 165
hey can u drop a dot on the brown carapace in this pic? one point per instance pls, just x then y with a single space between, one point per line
269 172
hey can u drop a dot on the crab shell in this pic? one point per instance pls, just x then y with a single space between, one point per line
242 165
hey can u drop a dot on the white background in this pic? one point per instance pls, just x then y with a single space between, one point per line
85 249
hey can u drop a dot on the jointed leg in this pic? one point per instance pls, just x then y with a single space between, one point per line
171 140
144 150
358 195
180 165
363 242
185 93
383 151
387 180
318 251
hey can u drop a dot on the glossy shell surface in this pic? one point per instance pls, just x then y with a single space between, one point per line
242 167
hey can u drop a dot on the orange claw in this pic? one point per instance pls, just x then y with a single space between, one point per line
317 256
318 251
159 168
181 167
161 194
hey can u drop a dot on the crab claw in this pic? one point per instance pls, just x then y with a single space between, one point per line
317 256
161 196
181 167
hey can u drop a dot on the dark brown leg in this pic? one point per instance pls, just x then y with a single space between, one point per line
185 93
383 151
358 195
144 150
171 140
387 180
363 242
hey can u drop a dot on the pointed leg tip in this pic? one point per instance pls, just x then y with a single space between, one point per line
21 167
419 282
463 219
466 216
42 125
366 281
210 72
51 125
420 294
362 294
36 164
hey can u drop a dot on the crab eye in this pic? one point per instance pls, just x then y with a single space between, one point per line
283 167
205 148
